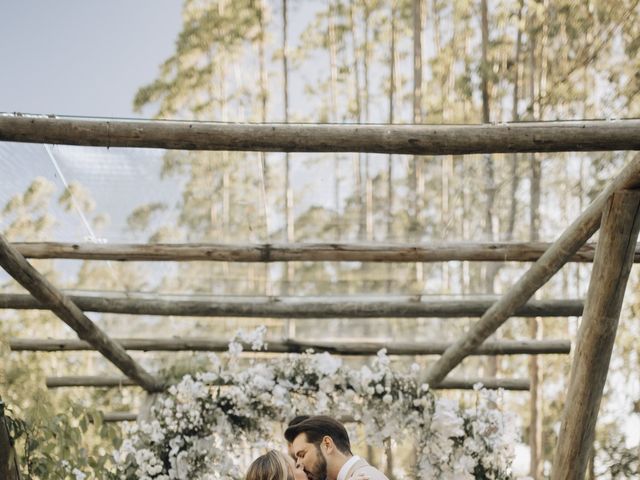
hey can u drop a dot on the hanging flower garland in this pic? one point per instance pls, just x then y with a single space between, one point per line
197 427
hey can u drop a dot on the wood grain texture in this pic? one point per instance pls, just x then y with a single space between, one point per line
540 272
303 252
618 235
571 136
50 298
296 307
339 347
518 384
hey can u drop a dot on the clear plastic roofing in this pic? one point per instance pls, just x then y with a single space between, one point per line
118 195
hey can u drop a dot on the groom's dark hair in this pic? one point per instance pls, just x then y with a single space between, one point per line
298 419
318 427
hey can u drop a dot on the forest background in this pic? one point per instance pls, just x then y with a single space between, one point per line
333 61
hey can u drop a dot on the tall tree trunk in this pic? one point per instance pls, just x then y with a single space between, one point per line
535 325
289 224
289 220
515 178
333 93
484 78
368 180
490 269
514 174
535 331
263 118
489 167
392 89
416 180
446 161
357 162
417 61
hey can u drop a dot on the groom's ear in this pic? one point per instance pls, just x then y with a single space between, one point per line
327 443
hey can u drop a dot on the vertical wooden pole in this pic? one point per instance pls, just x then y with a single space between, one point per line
8 459
535 405
612 264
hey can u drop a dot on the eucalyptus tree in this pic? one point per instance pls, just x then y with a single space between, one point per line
206 79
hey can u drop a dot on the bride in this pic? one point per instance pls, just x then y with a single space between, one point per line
275 465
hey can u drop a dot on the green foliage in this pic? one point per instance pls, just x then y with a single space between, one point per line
141 217
56 444
213 34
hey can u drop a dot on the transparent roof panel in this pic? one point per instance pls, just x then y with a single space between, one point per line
120 195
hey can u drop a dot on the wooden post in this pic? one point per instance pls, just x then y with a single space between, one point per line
8 459
571 136
295 307
540 272
620 225
303 252
51 298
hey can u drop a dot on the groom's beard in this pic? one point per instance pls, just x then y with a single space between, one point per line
319 470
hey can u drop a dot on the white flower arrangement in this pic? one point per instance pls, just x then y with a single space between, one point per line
198 426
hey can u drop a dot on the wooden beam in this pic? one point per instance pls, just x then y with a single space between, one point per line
49 297
619 232
570 136
517 384
9 469
295 307
89 381
120 417
338 346
303 252
133 417
449 384
540 272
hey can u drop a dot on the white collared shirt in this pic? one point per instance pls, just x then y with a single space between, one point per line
342 474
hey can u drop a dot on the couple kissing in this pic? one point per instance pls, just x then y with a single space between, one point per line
319 449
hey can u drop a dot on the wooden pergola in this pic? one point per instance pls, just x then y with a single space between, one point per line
614 212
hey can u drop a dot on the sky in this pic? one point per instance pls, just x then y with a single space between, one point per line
88 58
82 57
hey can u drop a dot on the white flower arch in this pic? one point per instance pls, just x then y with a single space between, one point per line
195 428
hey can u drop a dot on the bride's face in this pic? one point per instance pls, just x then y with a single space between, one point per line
298 472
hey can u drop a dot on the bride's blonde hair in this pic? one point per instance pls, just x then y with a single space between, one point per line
270 466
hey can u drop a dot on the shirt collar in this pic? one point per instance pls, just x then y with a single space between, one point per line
342 474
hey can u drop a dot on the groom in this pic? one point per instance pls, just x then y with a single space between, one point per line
321 446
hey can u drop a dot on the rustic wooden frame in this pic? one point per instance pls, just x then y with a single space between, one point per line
611 268
337 347
518 384
568 136
47 294
393 139
296 307
304 252
540 272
